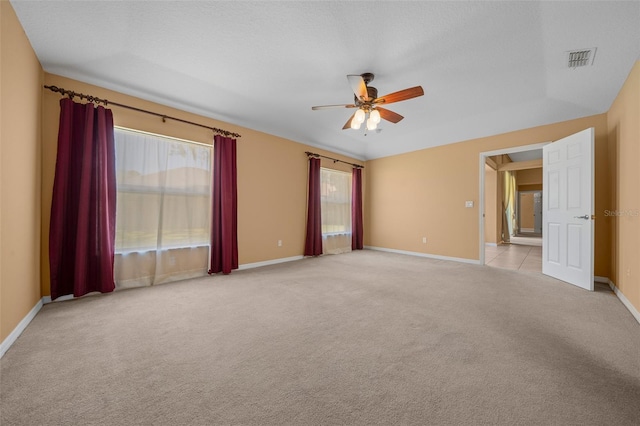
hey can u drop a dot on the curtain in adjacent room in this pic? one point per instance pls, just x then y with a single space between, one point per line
508 204
313 241
164 197
357 236
83 207
224 223
336 211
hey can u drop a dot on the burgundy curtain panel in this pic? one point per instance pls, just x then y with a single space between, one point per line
224 223
356 210
83 208
313 242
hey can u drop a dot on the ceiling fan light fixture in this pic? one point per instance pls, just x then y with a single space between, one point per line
371 125
366 103
375 116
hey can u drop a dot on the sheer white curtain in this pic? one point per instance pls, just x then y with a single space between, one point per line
162 220
509 224
335 205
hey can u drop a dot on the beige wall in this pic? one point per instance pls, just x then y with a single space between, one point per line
272 173
20 144
623 122
422 193
527 219
536 187
529 176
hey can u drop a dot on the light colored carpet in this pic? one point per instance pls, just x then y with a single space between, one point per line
364 338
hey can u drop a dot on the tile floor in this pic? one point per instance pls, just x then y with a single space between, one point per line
514 256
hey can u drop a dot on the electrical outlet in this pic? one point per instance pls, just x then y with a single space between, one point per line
424 240
279 243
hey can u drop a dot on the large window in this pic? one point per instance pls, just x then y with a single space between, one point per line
163 205
335 196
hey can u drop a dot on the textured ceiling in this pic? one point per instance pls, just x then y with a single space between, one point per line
486 67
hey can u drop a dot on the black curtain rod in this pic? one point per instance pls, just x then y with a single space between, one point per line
90 98
313 154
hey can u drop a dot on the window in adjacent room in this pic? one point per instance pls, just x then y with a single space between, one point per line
335 193
163 205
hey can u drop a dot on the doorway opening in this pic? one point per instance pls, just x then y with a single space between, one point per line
568 206
510 235
530 213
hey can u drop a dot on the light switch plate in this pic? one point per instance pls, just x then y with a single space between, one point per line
468 203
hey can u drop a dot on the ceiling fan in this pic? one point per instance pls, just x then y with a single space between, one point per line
368 103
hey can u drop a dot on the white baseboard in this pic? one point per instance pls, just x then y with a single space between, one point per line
621 296
527 229
431 256
269 262
47 299
491 244
22 325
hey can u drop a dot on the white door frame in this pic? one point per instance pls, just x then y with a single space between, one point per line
482 162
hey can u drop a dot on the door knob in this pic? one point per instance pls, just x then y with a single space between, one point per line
585 217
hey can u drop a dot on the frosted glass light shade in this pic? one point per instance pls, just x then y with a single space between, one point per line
359 116
375 116
371 125
355 125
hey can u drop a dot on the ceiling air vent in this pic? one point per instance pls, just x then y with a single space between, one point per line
580 58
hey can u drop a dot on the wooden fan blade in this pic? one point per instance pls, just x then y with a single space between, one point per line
402 95
348 123
389 115
315 108
358 87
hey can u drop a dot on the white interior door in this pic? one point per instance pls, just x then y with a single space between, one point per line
568 206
